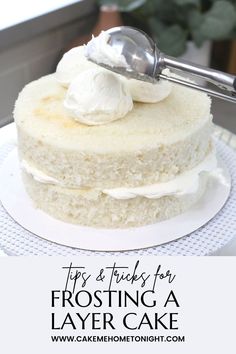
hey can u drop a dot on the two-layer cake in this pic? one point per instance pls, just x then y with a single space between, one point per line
149 165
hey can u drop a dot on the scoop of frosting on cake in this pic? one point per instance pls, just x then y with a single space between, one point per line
97 97
72 64
147 92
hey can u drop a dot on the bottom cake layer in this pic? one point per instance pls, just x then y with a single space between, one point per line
94 208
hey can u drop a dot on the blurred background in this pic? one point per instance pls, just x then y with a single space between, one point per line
34 36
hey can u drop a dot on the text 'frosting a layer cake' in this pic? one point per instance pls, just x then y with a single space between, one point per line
100 150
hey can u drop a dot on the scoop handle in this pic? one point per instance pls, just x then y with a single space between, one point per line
231 96
218 78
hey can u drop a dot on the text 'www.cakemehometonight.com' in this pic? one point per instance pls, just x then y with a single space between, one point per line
109 339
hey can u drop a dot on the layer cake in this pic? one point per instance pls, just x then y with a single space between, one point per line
130 172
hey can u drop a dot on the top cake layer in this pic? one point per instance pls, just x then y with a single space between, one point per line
154 142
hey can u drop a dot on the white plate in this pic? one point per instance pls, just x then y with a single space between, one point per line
20 207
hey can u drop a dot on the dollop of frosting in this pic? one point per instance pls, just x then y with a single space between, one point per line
147 92
72 64
97 96
99 51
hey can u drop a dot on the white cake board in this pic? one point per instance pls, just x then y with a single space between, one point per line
17 203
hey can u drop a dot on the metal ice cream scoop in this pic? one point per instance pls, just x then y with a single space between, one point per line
146 63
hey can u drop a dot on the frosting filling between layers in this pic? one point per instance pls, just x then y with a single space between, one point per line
184 184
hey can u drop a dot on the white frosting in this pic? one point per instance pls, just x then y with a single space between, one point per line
99 51
72 64
184 184
96 97
38 175
147 92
